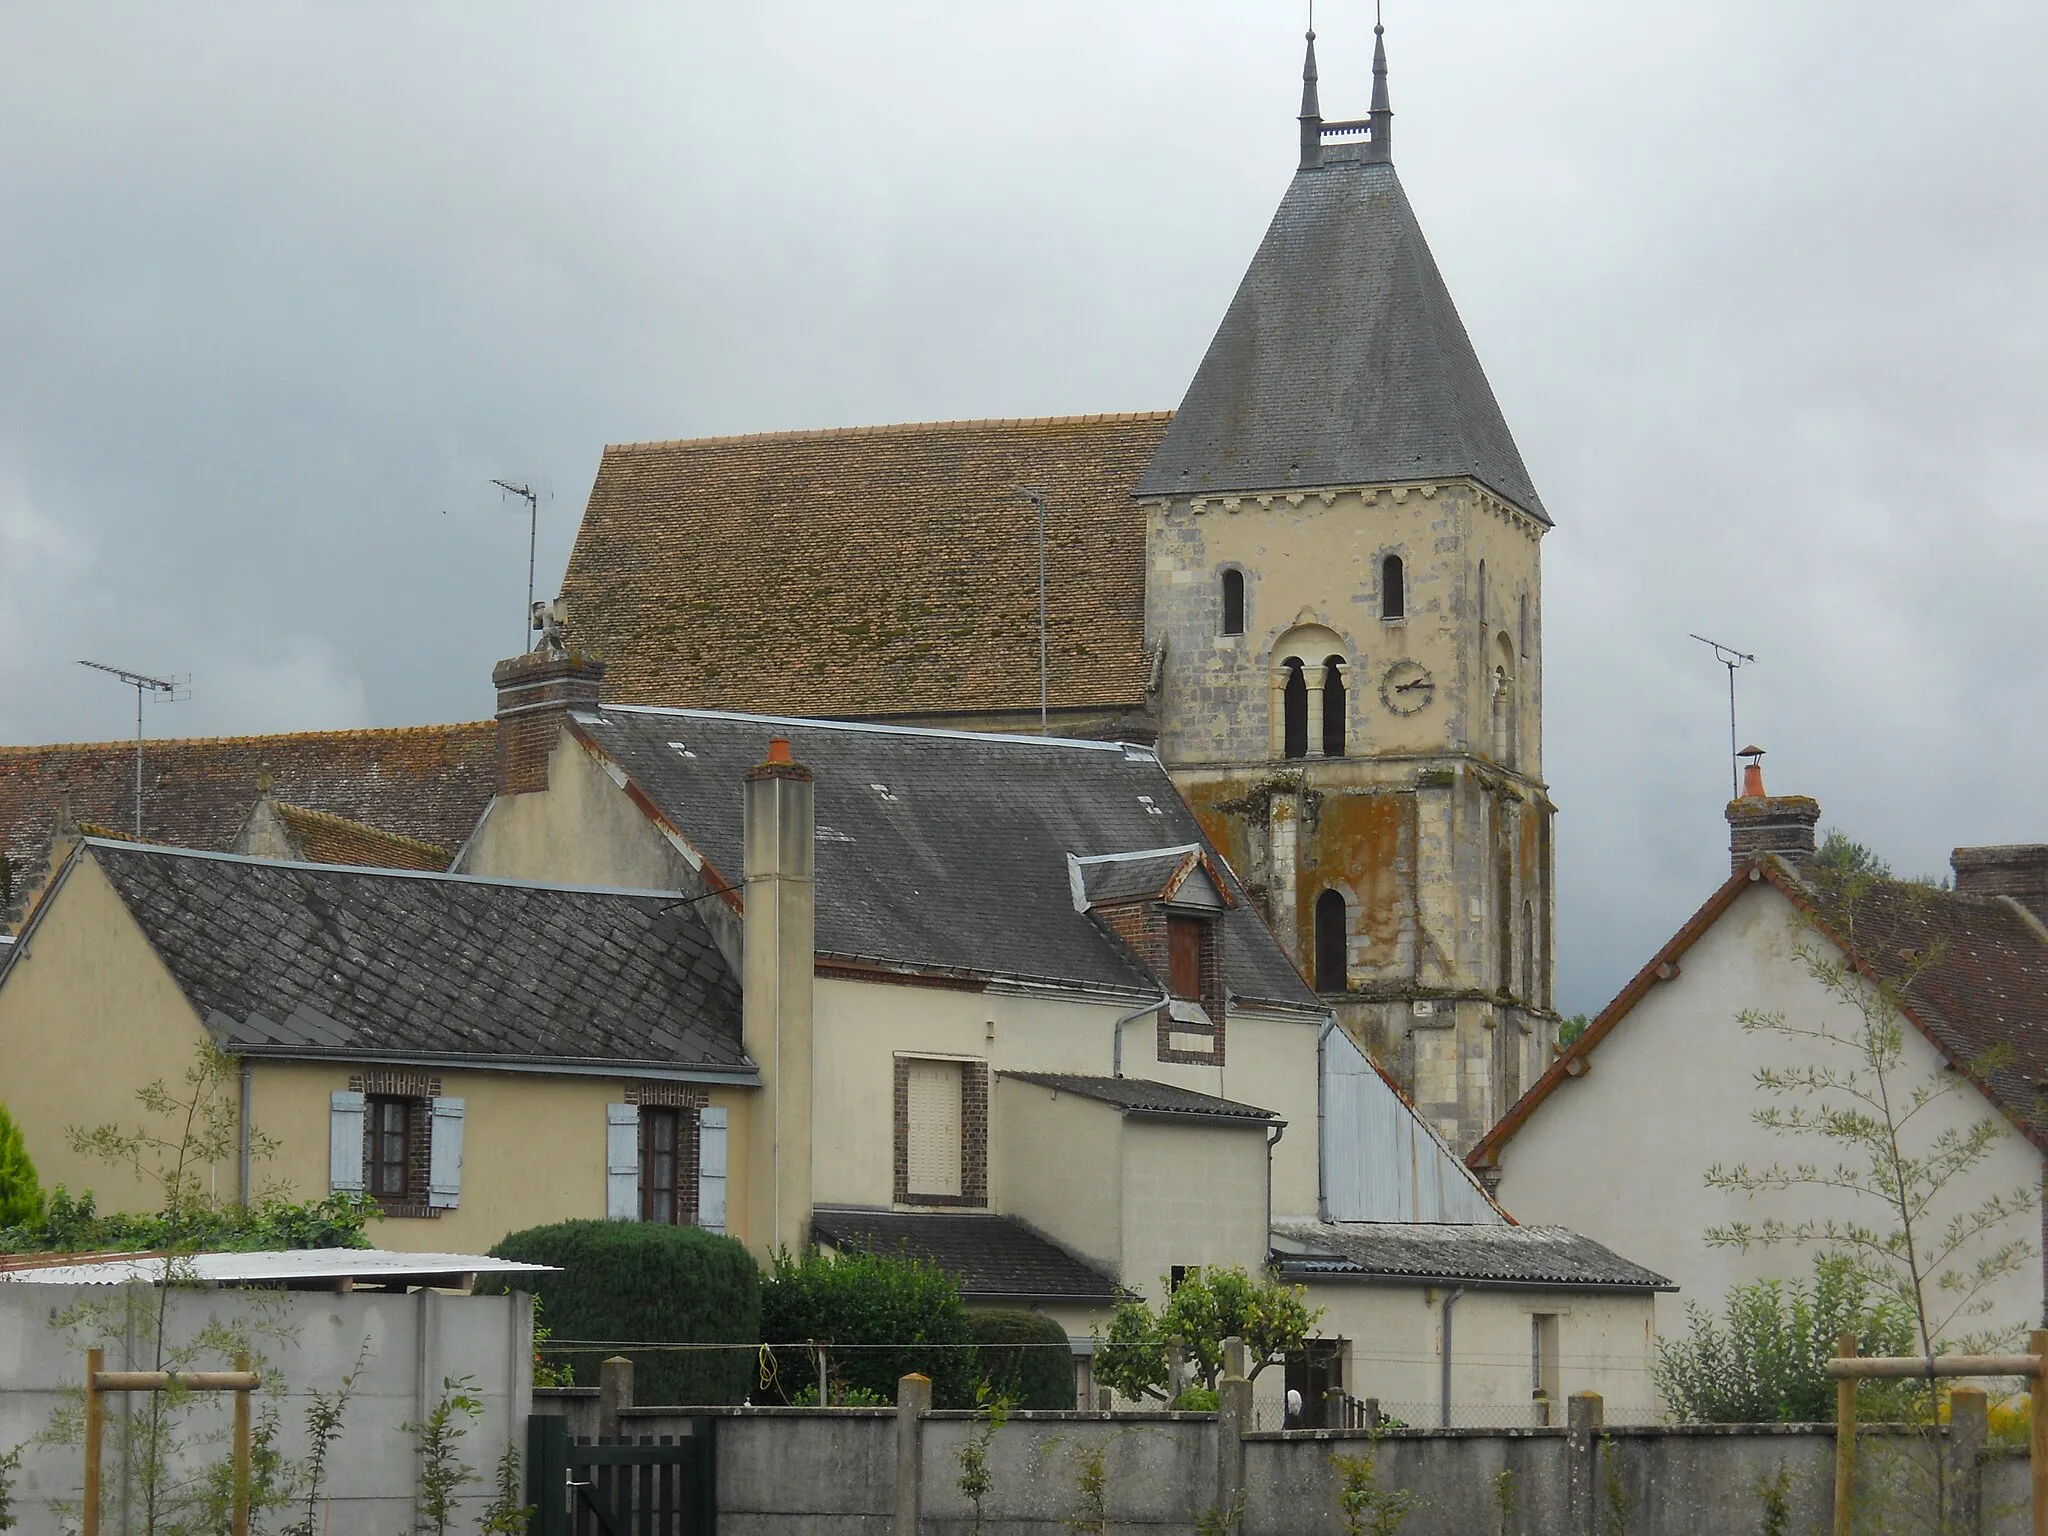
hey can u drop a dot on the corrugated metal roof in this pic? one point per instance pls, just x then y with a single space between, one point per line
1381 1160
323 1267
1550 1256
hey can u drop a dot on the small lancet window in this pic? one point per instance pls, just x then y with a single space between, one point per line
1482 595
1522 624
1333 706
1393 589
1331 963
1233 602
1294 710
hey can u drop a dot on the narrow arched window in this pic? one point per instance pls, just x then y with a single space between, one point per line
1393 589
1331 963
1482 595
1522 623
1233 602
1333 706
1294 706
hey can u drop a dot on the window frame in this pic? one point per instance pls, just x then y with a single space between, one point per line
375 1145
1340 940
1234 588
652 1117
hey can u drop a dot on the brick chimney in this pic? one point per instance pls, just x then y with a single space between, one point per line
535 694
1761 824
781 957
2018 870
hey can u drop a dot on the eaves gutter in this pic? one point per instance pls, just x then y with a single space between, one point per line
1215 1117
541 1066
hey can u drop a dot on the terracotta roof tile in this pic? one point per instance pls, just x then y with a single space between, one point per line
324 838
429 783
868 570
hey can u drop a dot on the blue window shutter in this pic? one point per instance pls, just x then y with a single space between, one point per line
345 1143
444 1156
622 1162
711 1169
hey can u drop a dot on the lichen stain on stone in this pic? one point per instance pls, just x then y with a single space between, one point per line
1362 834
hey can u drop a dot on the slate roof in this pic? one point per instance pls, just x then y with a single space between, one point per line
1341 360
305 959
996 1257
868 571
942 851
1982 1002
1425 1251
1137 1096
1152 875
429 783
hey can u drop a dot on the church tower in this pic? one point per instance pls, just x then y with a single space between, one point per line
1343 583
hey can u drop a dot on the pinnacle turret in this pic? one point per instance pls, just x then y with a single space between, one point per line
1311 110
1382 145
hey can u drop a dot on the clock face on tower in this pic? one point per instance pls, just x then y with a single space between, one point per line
1407 688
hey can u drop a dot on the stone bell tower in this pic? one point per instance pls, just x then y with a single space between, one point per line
1343 574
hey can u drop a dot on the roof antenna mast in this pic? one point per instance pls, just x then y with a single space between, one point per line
170 689
1730 658
531 497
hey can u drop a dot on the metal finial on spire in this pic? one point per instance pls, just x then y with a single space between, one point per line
1382 145
1311 110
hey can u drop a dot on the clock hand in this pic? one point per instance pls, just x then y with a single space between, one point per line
1420 682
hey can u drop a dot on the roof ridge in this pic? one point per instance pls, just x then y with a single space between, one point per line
883 727
792 434
155 742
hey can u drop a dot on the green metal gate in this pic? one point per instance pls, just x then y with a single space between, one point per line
648 1487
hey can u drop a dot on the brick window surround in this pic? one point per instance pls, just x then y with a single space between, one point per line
1146 928
973 1134
684 1100
417 1090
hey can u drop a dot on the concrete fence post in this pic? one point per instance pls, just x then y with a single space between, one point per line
913 1402
614 1392
1585 1417
1968 1430
1233 1423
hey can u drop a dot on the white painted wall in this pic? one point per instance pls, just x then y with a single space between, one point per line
1622 1153
1052 1157
305 1341
1395 1332
1193 1194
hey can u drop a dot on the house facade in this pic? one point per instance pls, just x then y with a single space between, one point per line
1617 1139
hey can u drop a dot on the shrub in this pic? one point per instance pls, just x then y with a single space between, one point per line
21 1197
643 1280
906 1311
1026 1360
70 1225
1764 1361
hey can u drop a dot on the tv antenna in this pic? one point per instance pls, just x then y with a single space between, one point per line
169 689
1730 658
1036 497
528 494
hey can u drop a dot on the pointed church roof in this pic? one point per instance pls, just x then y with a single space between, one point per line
1342 360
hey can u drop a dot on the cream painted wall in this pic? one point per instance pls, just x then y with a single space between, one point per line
1052 1157
89 1015
582 831
1193 1194
1605 1345
861 1026
1621 1154
533 1149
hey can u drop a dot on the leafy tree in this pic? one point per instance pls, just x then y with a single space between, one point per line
21 1197
1763 1361
1571 1029
878 1318
1209 1306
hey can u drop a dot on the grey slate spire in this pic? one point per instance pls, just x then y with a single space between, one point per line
1341 360
1382 145
1311 110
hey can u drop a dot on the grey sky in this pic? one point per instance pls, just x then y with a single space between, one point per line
1760 287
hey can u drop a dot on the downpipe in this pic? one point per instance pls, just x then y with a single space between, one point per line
1450 1300
1322 1130
1164 1000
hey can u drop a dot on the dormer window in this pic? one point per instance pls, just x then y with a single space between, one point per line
1184 935
1233 602
1168 907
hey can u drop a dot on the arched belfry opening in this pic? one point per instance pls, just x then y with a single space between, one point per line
1332 962
1294 706
1393 588
1233 602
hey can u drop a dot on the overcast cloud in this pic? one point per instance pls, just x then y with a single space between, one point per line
1760 286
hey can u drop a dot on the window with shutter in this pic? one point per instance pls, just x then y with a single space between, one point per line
934 1129
621 1162
444 1155
711 1169
389 1160
1184 955
345 1118
658 1131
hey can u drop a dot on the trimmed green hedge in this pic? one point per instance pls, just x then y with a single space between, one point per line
642 1280
1025 1358
887 1317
